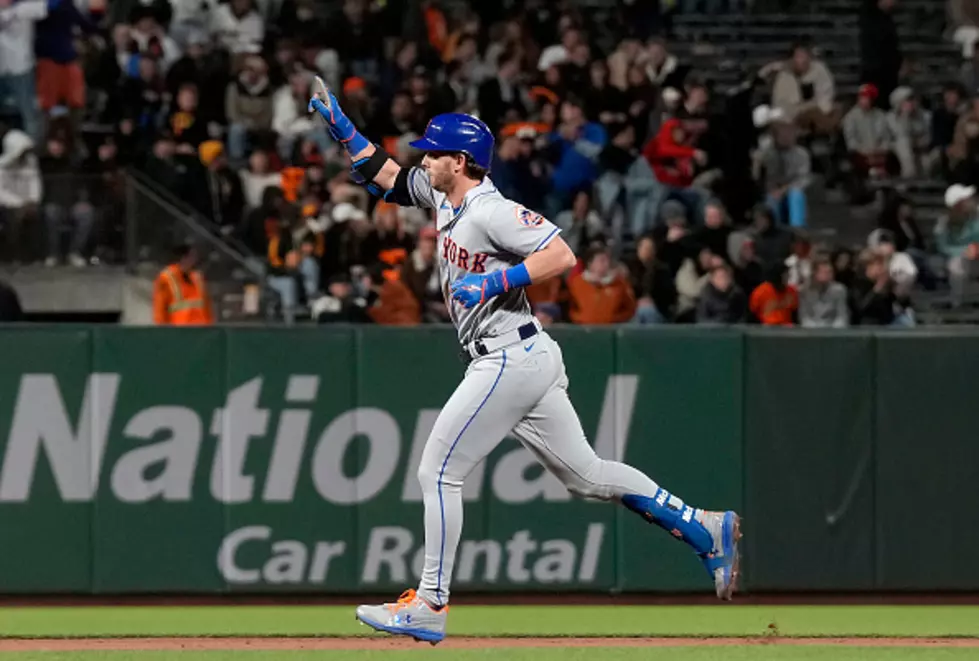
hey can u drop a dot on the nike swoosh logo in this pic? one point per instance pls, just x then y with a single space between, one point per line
528 348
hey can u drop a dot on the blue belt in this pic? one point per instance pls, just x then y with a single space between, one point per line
486 346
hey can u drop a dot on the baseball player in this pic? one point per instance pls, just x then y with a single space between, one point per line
515 381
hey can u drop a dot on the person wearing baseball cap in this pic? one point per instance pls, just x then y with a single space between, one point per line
960 198
867 137
957 238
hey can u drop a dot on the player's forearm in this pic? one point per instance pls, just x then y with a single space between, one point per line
388 174
358 147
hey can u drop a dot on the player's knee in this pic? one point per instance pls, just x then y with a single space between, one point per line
443 477
428 477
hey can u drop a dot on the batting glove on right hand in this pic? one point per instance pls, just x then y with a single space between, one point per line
469 290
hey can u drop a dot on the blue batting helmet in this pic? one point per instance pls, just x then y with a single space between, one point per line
458 132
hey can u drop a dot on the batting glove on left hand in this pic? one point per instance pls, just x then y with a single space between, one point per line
325 103
469 290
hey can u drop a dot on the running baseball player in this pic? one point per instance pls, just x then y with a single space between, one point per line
515 381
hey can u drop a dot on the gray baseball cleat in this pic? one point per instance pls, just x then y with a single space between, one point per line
409 616
724 562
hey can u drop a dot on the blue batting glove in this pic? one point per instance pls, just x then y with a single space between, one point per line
474 288
328 107
341 128
469 290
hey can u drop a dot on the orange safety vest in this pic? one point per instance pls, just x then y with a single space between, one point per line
178 302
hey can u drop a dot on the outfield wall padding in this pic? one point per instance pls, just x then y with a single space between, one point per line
217 460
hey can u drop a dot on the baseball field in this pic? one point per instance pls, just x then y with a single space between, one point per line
541 633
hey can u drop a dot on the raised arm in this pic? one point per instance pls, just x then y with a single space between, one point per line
372 166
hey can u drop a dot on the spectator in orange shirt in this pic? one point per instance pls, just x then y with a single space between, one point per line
775 302
547 291
601 294
391 301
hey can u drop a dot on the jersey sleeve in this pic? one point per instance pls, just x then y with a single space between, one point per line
421 191
519 230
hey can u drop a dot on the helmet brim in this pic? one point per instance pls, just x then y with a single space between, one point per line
426 144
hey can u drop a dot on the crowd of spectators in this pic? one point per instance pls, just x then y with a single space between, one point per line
685 203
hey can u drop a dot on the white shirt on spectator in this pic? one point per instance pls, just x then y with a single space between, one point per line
286 118
171 52
17 36
238 35
787 89
253 186
197 12
20 178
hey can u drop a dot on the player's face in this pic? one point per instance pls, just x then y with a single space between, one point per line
442 170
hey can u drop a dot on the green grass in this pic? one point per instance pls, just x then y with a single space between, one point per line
746 653
719 620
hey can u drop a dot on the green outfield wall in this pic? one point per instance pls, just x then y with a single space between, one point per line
283 460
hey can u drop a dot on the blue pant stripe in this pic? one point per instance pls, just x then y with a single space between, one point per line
445 461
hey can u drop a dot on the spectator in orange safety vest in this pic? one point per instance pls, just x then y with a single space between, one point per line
179 295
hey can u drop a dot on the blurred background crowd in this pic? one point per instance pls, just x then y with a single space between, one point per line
710 161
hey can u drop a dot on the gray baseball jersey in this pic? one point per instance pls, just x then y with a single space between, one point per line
486 233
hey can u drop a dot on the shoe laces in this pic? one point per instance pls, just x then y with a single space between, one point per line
405 600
